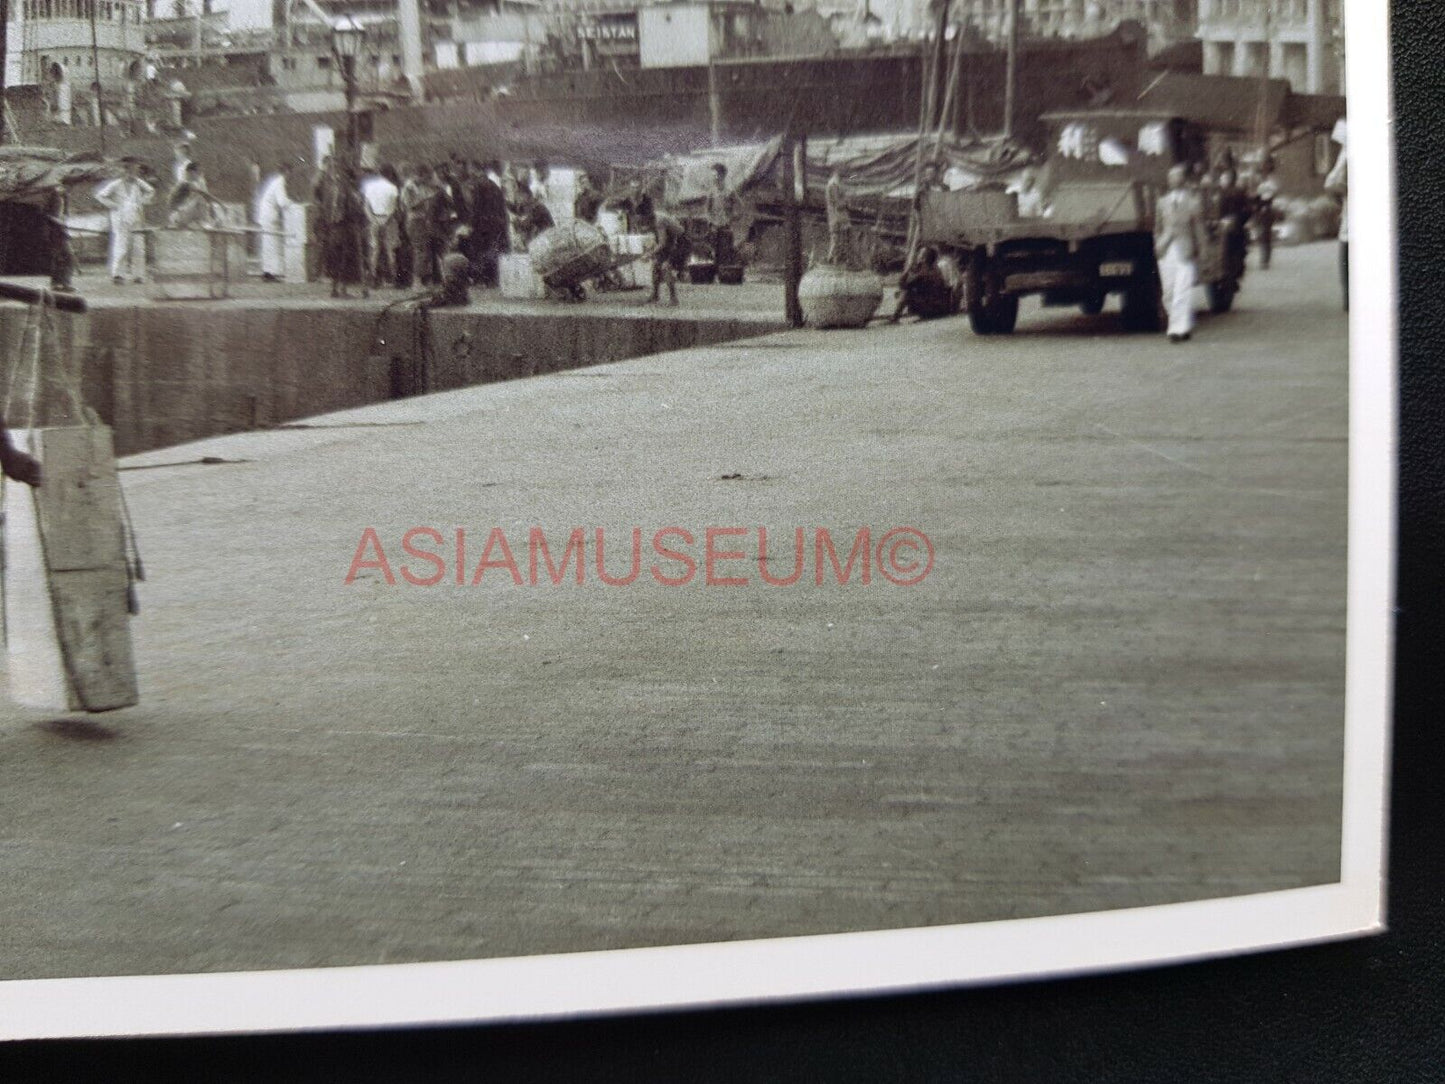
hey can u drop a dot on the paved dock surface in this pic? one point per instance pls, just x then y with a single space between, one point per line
1121 683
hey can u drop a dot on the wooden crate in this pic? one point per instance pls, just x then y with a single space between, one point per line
193 264
518 280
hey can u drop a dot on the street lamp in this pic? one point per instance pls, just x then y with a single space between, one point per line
347 37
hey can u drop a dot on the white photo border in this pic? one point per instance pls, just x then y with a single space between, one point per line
749 972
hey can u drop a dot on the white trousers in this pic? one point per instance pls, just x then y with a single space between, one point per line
273 246
1177 275
122 250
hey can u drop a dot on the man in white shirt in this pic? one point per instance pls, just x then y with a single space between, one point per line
271 206
379 195
1178 241
1337 183
125 197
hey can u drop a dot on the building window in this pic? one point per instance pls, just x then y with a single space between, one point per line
323 62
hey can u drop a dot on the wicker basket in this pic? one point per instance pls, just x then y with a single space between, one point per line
833 296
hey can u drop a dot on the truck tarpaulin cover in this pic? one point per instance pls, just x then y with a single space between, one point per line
879 165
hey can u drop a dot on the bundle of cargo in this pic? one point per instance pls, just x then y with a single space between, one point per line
565 257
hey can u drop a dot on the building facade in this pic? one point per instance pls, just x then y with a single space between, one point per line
1167 22
1298 40
84 55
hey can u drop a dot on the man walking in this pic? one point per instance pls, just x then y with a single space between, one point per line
1178 240
1264 214
125 197
669 256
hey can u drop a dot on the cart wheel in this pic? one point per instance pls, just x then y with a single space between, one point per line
1093 304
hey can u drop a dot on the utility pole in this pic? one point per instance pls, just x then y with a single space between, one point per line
1263 122
95 63
794 193
1011 70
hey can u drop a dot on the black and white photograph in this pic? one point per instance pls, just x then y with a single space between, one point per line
525 508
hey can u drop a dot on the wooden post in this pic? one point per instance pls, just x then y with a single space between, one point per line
4 56
794 191
1011 72
714 101
95 63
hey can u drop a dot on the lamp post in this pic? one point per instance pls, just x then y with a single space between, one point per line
347 37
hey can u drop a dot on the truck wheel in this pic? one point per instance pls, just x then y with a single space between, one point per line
980 319
994 318
1005 315
1142 310
1221 295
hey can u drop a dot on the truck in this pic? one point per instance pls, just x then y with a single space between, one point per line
1085 230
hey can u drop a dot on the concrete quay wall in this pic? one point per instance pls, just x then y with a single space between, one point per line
165 374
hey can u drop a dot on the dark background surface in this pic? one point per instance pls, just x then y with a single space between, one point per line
1365 1010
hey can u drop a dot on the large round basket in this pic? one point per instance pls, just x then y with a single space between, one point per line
837 297
570 253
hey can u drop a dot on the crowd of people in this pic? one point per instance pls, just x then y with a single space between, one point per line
400 226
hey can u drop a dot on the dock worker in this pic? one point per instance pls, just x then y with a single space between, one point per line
719 209
454 291
1337 184
669 255
125 197
17 464
57 240
271 207
419 197
588 201
1178 241
191 203
1265 216
925 290
835 199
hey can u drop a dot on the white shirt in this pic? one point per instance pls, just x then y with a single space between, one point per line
125 197
380 195
1338 182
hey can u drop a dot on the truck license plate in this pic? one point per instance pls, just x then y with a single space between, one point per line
1116 269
